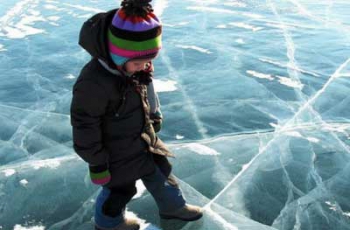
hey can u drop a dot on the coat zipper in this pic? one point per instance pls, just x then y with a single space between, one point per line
122 104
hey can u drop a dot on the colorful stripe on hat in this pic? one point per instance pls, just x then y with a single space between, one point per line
134 23
132 45
118 60
136 19
135 35
130 53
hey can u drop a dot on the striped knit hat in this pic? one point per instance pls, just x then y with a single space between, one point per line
135 32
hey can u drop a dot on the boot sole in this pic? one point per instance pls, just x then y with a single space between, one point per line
167 217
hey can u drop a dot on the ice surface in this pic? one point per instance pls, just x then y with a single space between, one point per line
255 97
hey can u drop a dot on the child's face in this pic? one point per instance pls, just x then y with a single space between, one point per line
133 66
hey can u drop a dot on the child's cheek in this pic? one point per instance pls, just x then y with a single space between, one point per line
129 69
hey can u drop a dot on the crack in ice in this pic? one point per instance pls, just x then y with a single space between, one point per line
35 111
272 140
191 107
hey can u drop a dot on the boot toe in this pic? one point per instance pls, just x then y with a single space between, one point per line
186 213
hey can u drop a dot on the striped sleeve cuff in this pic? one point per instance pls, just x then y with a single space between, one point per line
99 174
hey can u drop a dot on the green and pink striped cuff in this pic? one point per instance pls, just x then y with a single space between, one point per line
99 174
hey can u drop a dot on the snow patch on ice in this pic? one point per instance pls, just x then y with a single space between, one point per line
2 48
9 172
235 4
24 182
164 86
54 24
282 80
211 9
84 16
49 163
274 125
199 49
245 26
53 18
297 134
140 189
143 224
159 6
289 82
202 149
176 25
52 1
259 75
221 26
70 76
240 41
179 137
52 7
17 9
20 227
293 134
313 139
239 25
332 207
251 15
276 63
23 28
34 12
84 8
339 128
183 23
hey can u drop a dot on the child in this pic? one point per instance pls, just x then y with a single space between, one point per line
115 114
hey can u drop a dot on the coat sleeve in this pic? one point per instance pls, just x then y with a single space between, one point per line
88 105
153 98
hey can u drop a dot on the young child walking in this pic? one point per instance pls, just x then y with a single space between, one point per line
115 115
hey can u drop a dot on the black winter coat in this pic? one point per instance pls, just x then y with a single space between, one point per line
110 116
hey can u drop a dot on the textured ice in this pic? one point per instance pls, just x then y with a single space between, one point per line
255 96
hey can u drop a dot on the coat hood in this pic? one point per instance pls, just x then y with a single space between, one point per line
93 36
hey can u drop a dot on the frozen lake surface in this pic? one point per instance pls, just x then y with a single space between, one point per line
255 97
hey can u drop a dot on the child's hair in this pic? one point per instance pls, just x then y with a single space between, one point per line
137 7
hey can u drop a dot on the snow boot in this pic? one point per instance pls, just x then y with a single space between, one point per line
186 213
127 224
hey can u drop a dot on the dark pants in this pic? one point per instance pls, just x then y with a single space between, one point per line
111 202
